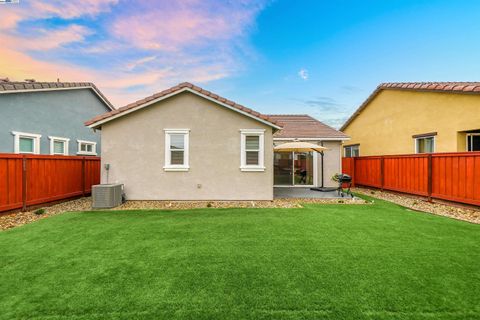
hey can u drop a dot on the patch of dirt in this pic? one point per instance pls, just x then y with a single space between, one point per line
463 213
16 219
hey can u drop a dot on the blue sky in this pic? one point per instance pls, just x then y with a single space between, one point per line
318 57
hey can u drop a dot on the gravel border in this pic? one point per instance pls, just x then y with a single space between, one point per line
16 219
469 214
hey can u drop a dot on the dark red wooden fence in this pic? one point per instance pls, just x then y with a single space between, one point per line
27 180
448 176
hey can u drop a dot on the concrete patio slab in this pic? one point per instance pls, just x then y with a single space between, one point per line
306 193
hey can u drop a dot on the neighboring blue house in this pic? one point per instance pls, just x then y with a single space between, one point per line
48 117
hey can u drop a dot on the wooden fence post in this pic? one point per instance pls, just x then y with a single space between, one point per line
24 183
353 171
430 174
83 176
382 172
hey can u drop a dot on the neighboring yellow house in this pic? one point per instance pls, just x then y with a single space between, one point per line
405 118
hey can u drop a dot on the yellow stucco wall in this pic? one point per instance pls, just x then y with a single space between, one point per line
387 124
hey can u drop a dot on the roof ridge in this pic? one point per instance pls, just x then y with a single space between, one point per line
305 126
174 89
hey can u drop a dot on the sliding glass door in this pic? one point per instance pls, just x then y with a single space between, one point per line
282 168
294 169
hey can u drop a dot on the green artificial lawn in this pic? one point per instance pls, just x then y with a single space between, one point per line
377 261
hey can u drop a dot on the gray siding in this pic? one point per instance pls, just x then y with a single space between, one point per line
59 113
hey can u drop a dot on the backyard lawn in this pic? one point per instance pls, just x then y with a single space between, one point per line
377 261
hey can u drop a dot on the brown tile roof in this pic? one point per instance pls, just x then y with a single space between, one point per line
304 126
174 89
447 87
7 86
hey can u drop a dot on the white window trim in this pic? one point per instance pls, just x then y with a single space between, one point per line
261 154
80 152
345 150
177 167
52 144
36 141
425 137
470 135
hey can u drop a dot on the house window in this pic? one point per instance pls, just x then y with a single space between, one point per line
252 150
176 150
351 151
59 146
87 148
26 142
425 144
473 142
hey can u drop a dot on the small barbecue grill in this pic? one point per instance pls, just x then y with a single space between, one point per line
344 179
341 179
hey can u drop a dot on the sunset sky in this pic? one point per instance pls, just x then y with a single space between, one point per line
317 57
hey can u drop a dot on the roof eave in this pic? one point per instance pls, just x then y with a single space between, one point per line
98 124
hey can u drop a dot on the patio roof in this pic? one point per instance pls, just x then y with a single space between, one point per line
298 126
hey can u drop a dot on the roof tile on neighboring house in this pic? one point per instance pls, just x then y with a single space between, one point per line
174 89
13 86
304 126
447 87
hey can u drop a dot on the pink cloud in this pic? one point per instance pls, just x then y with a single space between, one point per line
45 39
172 26
147 45
72 9
10 15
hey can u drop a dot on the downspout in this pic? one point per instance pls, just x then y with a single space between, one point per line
321 155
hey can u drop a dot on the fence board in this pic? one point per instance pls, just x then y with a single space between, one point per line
47 178
455 176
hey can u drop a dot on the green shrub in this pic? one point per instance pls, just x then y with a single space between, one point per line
209 205
39 211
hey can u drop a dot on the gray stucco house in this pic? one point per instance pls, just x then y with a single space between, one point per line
47 117
187 143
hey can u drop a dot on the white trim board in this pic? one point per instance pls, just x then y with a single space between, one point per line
65 145
260 133
86 153
121 114
415 140
168 166
36 141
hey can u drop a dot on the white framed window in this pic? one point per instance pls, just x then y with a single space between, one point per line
351 151
28 143
252 145
58 146
87 148
473 141
176 149
425 144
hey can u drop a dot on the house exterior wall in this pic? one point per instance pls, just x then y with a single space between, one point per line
332 162
134 146
58 113
387 124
